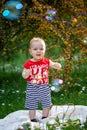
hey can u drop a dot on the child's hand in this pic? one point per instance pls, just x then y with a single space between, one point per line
55 65
25 73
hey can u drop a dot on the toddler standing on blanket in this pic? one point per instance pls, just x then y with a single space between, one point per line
36 73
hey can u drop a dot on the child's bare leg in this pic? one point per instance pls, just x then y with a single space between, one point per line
32 114
45 112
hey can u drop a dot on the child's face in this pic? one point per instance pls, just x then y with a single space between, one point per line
37 50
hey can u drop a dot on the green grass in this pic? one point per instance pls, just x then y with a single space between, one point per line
12 91
13 87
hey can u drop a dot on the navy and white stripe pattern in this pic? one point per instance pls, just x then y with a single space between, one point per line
36 93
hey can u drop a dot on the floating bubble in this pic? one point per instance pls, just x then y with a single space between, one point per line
56 85
13 10
53 88
49 17
50 14
60 81
19 6
5 13
85 40
57 81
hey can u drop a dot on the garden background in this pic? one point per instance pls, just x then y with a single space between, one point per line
66 41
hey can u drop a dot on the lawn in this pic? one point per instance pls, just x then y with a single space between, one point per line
13 87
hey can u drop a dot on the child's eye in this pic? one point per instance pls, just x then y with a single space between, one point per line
35 49
41 48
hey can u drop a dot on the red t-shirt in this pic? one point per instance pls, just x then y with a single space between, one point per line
38 71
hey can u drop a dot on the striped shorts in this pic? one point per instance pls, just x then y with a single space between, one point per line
36 93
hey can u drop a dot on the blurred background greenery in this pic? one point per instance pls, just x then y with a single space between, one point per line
66 41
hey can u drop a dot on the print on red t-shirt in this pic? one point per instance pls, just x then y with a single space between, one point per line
38 71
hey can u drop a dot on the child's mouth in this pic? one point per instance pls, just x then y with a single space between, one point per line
38 55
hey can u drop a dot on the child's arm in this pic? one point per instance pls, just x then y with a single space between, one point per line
55 65
25 73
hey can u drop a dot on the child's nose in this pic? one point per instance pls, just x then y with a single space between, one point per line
38 50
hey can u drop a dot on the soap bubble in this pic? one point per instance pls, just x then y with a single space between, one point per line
56 85
12 10
55 89
6 13
50 14
85 40
19 6
57 81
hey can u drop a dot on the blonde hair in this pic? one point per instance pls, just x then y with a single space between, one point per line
37 39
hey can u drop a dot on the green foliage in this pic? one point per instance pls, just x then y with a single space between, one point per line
68 125
64 35
25 126
69 25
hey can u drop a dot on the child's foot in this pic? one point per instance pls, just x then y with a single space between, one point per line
34 120
43 117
